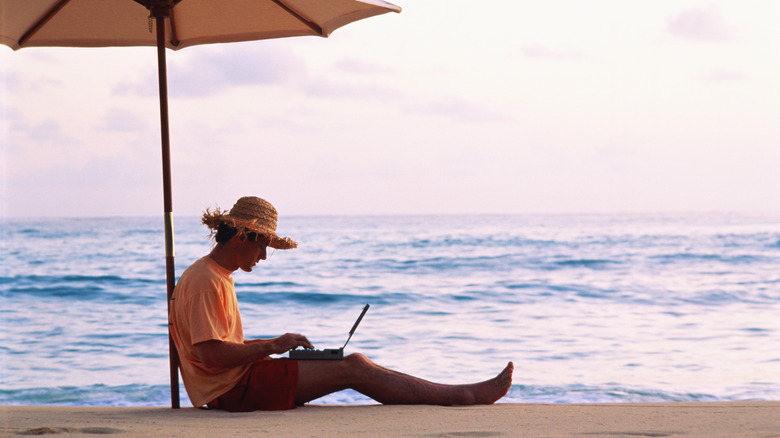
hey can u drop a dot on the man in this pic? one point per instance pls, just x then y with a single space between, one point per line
222 370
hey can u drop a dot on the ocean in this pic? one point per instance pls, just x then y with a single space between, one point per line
591 308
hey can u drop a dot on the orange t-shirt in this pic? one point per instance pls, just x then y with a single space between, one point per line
205 308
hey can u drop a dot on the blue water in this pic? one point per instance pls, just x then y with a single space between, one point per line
591 308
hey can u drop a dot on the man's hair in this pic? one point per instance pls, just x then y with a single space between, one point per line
225 232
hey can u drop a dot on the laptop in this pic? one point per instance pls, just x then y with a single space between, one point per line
328 353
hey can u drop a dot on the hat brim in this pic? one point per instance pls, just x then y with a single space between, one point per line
213 219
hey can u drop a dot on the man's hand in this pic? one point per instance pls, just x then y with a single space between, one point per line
228 355
288 341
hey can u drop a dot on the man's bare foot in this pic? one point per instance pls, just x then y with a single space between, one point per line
489 391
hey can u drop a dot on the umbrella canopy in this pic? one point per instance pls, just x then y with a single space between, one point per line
102 23
174 24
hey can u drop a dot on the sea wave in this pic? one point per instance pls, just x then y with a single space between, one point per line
91 395
159 395
106 288
118 290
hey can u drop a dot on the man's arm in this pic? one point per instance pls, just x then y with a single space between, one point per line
221 354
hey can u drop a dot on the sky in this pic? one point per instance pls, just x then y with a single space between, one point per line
450 107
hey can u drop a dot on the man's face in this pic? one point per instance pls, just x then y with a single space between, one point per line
251 252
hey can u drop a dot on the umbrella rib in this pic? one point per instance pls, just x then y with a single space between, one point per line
313 26
174 38
42 22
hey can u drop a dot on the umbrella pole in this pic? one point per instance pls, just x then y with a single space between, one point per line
170 273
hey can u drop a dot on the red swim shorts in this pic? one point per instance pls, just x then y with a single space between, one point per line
269 385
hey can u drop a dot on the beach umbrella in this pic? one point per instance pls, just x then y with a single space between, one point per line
174 24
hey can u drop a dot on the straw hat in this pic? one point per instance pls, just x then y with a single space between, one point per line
250 214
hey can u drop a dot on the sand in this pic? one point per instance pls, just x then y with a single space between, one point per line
726 419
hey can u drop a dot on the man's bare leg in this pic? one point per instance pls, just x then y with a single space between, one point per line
319 378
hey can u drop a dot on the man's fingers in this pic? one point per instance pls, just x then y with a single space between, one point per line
304 342
299 340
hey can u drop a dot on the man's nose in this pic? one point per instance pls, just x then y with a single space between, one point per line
263 253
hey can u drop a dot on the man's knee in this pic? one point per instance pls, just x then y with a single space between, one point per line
358 360
358 363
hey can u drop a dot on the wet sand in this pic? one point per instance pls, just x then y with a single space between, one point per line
721 419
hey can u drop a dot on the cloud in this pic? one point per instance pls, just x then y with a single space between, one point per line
121 120
212 70
48 131
360 66
458 109
11 113
700 25
11 80
545 53
330 89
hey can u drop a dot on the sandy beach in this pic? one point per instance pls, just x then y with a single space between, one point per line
721 419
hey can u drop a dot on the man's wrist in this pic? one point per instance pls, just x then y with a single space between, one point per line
266 349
